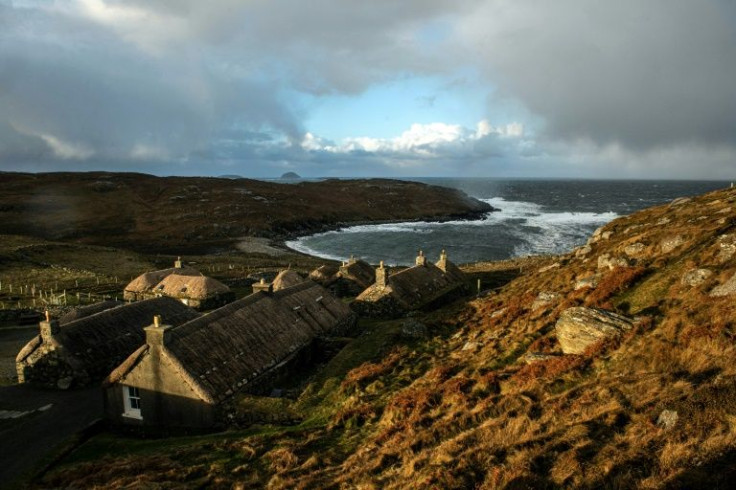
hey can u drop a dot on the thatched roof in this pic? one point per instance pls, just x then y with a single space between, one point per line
196 287
359 271
325 274
103 340
148 280
85 311
286 279
417 286
233 345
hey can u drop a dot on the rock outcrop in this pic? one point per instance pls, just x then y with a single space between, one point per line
578 328
695 277
726 289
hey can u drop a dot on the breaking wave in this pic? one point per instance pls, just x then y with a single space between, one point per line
518 228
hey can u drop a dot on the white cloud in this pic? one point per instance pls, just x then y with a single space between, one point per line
149 152
420 140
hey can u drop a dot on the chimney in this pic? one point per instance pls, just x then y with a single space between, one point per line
177 263
442 263
421 259
49 327
263 286
382 275
157 334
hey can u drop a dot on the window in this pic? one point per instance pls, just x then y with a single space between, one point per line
132 402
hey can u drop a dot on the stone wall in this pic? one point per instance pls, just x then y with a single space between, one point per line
50 366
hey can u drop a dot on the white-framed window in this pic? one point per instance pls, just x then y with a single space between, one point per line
132 402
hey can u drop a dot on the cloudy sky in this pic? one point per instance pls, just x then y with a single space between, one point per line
584 88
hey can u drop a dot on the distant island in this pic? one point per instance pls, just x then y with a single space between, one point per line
290 176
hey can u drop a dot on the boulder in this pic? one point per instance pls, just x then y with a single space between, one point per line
726 289
544 298
586 282
579 327
667 419
583 251
532 357
606 260
695 277
669 244
727 246
635 249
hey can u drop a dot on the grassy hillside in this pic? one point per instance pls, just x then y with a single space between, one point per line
486 399
198 215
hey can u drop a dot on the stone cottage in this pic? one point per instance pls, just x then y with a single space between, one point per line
186 284
413 288
85 350
184 376
349 279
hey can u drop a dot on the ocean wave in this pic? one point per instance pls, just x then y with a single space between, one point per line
535 231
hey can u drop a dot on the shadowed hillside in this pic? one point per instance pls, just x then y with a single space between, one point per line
196 215
487 397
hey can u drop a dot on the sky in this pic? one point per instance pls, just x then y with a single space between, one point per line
344 88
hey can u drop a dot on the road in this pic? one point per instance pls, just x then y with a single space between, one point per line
35 423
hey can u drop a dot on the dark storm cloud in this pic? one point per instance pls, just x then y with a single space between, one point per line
644 74
645 87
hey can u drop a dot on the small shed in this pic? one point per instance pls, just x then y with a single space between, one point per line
184 375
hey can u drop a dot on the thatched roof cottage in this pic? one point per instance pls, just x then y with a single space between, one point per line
85 350
349 279
186 284
286 279
183 375
413 288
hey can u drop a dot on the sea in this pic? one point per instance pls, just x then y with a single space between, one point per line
533 217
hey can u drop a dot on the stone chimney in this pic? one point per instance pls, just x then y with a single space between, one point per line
442 263
421 259
262 285
382 275
177 263
157 334
49 327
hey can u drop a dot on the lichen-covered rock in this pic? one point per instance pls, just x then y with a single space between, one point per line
579 327
667 419
695 277
727 246
586 282
532 357
669 244
726 289
583 251
635 249
544 298
606 260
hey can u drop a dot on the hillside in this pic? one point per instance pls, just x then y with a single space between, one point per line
487 399
198 215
